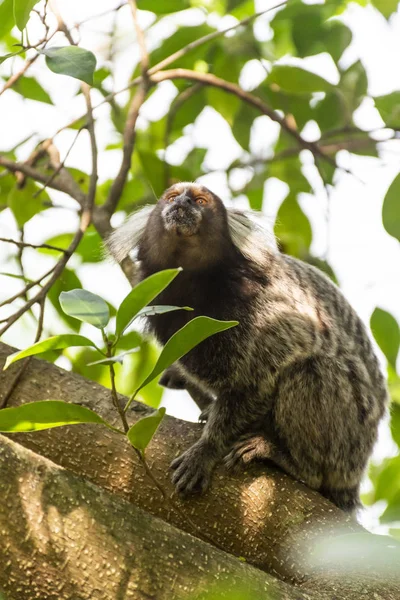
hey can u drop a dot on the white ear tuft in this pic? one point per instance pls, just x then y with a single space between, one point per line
125 238
251 233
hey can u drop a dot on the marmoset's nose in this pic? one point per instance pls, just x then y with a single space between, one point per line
183 199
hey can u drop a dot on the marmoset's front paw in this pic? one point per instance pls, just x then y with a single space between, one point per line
193 469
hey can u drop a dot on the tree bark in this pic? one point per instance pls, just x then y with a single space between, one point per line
65 538
262 515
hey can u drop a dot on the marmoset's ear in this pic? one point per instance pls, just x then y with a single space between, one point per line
251 233
125 238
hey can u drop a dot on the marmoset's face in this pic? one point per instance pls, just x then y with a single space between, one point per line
186 208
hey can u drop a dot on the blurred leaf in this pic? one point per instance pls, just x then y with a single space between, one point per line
336 37
386 7
289 171
90 248
57 342
22 9
330 113
296 80
189 111
392 511
323 266
142 432
178 40
387 483
389 108
154 169
30 88
293 228
386 332
163 7
184 340
391 209
85 306
68 280
226 104
353 86
143 293
72 61
394 385
6 17
395 422
46 414
24 202
81 178
242 123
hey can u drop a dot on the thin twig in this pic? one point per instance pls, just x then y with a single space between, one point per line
35 246
144 55
28 287
14 78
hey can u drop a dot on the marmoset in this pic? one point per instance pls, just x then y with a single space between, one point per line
297 382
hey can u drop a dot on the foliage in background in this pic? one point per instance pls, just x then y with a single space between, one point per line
299 96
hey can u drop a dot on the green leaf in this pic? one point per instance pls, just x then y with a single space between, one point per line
163 7
387 484
90 248
142 432
149 311
353 85
57 342
389 109
391 209
184 340
22 9
392 511
297 80
24 203
6 17
114 359
154 169
10 54
85 306
386 332
30 88
386 7
141 295
71 60
293 228
67 281
46 414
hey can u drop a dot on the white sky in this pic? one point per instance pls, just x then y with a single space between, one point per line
365 259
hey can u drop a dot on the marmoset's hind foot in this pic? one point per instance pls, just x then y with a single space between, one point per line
246 450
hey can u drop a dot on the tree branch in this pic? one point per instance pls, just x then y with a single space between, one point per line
232 88
262 515
64 538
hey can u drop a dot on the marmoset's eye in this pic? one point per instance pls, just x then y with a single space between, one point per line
201 200
171 197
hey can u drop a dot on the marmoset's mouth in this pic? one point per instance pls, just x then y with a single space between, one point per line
181 220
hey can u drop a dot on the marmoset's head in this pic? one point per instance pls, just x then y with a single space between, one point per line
188 209
190 227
